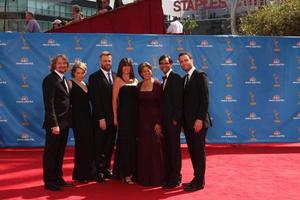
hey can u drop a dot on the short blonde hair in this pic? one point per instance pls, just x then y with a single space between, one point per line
54 61
78 65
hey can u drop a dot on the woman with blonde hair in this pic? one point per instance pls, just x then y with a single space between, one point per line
77 14
81 122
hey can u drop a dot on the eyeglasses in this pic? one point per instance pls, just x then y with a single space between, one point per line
164 63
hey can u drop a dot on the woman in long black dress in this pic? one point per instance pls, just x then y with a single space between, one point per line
150 163
81 121
125 117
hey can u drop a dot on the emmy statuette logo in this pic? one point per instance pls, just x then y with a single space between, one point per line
179 44
154 62
298 59
229 119
276 116
25 119
276 82
24 80
129 44
252 133
229 45
204 62
276 45
77 44
252 63
25 45
252 99
228 80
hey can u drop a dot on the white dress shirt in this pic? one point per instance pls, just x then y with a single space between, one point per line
189 73
106 74
166 75
175 27
62 78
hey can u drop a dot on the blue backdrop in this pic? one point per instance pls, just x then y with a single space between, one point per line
254 81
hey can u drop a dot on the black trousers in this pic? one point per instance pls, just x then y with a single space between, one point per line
104 147
196 146
53 157
172 152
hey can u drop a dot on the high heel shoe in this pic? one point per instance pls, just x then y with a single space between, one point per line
128 180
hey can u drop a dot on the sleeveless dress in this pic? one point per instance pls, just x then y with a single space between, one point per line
125 155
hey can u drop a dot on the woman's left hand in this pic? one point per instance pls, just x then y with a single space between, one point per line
157 130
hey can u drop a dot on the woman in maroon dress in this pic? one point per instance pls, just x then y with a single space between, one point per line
150 166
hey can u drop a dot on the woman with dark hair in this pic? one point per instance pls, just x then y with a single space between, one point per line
125 108
103 6
150 164
84 169
118 3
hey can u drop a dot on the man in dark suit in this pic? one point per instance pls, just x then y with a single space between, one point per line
196 118
56 123
100 91
172 116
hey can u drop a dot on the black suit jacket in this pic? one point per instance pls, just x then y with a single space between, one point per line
196 100
100 93
172 98
56 102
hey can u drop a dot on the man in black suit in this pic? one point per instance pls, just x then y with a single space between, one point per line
172 116
100 91
56 123
196 118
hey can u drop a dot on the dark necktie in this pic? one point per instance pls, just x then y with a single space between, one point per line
186 82
164 78
109 79
65 84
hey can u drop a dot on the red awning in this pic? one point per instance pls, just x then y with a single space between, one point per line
142 17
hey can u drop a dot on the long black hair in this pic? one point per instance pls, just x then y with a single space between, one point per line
118 3
125 62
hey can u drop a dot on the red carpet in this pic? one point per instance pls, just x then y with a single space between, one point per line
247 172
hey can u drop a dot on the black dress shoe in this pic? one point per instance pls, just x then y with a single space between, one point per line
108 175
171 185
63 183
52 187
185 184
194 181
188 184
83 181
100 178
193 187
